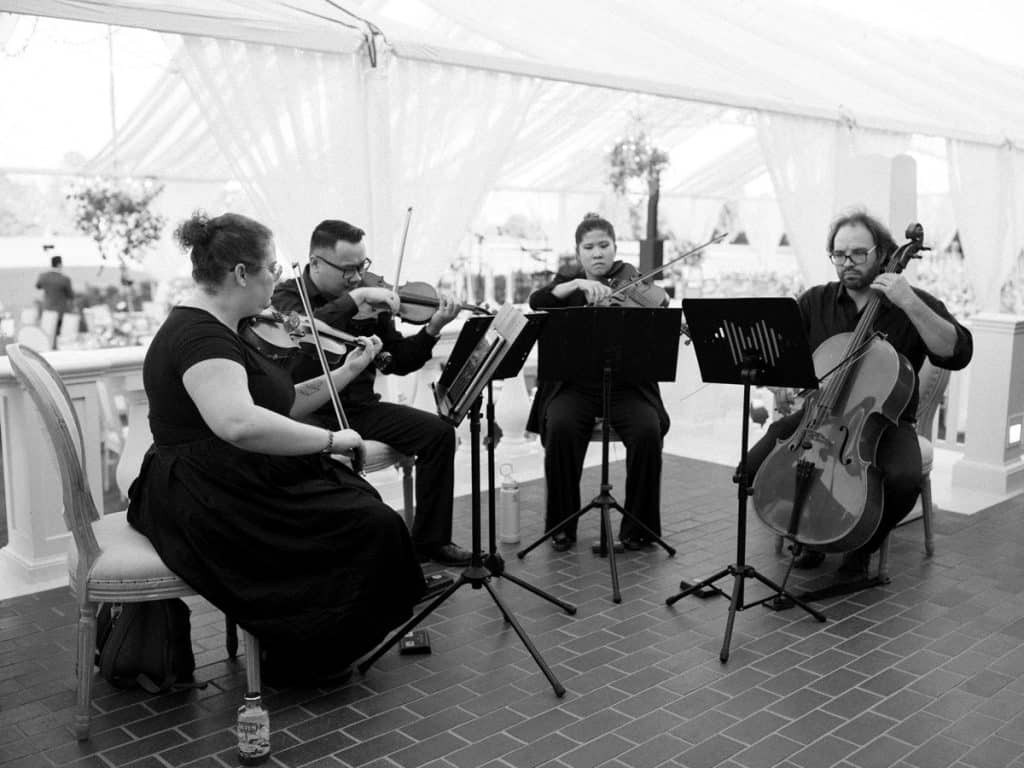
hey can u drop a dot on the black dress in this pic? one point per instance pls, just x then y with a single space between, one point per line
299 550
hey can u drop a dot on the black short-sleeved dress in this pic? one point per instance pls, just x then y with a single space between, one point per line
299 550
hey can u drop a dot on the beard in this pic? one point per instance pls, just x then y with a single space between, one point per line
857 278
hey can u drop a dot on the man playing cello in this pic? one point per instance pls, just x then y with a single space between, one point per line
914 322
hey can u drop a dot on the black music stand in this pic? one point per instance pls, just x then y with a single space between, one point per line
753 342
473 330
462 397
610 345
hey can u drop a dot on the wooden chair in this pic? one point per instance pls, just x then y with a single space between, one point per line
931 388
108 560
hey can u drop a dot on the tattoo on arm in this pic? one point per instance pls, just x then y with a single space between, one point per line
310 387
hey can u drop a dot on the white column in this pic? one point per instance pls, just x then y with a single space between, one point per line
992 460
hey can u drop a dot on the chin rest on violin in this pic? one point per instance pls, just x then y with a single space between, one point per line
280 337
418 301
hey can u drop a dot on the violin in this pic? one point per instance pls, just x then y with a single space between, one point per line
821 487
281 337
631 289
418 300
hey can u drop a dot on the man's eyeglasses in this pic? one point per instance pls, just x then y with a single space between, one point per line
855 255
349 271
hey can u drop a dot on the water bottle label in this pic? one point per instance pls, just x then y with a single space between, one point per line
253 738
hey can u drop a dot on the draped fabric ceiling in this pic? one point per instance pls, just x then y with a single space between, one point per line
356 109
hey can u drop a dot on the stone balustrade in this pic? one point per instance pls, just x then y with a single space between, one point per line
37 539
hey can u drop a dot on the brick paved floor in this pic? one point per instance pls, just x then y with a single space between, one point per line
925 673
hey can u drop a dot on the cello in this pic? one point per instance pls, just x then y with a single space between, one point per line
820 487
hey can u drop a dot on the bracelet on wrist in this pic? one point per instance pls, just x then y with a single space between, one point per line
330 442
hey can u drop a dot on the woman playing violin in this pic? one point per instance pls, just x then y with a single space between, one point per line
336 282
241 499
563 413
914 322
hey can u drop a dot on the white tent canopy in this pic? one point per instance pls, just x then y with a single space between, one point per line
319 111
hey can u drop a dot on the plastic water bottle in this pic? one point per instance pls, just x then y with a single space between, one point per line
508 507
253 731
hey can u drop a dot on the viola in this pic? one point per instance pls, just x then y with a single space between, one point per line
821 487
280 337
418 300
631 289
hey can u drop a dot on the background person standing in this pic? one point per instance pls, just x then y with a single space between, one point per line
58 294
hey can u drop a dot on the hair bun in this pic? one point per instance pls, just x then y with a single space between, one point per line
591 216
194 230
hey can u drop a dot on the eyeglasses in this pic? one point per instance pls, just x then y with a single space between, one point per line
855 255
348 271
274 269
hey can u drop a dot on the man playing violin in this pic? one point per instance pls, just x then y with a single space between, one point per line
563 413
914 322
335 282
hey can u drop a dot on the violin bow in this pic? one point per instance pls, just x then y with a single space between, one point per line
640 278
401 248
300 284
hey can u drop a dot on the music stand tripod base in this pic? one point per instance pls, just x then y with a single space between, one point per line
475 574
752 342
459 392
616 345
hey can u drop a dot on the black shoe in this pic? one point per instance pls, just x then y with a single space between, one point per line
809 559
636 543
854 565
560 542
445 554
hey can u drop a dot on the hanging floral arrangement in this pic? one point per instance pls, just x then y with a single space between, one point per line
634 156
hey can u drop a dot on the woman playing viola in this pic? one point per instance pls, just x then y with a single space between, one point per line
563 413
243 501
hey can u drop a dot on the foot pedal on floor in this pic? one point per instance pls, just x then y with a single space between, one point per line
703 593
415 642
437 583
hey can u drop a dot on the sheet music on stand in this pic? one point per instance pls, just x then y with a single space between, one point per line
468 378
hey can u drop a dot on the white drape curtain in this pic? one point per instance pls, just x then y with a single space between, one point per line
450 132
801 156
762 221
327 136
986 186
290 124
692 218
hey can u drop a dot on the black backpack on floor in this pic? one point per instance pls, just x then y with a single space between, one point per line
147 645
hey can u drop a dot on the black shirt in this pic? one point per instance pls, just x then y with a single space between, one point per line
828 309
188 336
408 353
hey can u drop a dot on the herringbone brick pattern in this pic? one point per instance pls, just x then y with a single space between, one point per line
927 672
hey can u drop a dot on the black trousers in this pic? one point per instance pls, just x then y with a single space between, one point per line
568 426
432 441
898 456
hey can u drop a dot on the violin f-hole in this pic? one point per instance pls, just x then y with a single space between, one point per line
845 432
